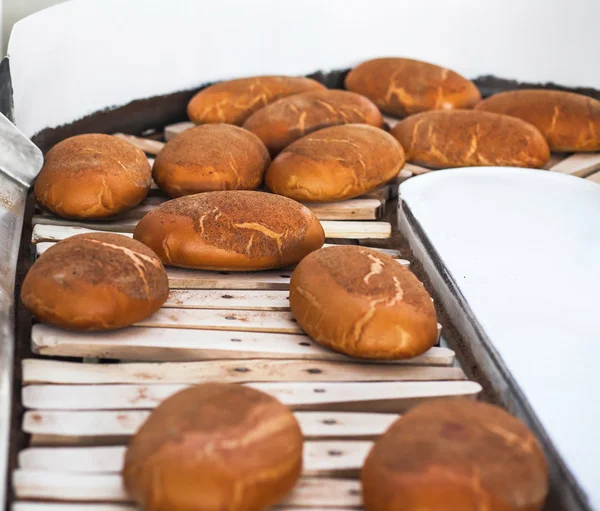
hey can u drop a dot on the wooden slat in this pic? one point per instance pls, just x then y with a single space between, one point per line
165 344
147 145
416 169
321 458
594 178
63 506
175 129
555 158
234 299
374 397
246 321
37 371
578 164
52 485
93 426
56 229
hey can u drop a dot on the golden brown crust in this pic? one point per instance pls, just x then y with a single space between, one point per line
99 281
404 87
233 101
212 447
467 138
92 176
362 303
288 119
335 163
570 122
211 157
455 454
231 230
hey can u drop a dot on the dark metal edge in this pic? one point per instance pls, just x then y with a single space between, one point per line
475 349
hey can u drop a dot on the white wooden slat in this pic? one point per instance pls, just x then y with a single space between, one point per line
175 129
147 145
233 299
554 159
594 178
578 164
165 344
383 397
205 319
123 423
416 170
52 485
320 458
36 371
57 230
62 506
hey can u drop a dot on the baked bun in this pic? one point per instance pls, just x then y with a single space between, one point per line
404 87
288 119
211 157
336 163
362 303
212 447
92 176
234 101
469 138
99 281
232 230
570 122
455 454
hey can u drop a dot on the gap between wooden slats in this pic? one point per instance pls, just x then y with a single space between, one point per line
38 484
56 229
338 458
36 371
113 427
170 345
373 397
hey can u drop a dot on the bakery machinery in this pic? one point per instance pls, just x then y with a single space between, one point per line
509 255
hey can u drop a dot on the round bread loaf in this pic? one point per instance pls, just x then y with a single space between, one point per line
212 447
288 119
404 87
234 101
92 176
469 138
231 230
98 281
336 163
211 157
570 122
362 303
455 454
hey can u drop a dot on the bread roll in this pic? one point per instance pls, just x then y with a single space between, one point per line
570 122
213 447
232 230
404 87
467 138
211 157
362 303
99 281
92 176
336 163
234 101
455 454
288 119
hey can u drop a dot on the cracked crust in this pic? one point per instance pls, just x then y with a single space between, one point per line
92 176
336 163
402 87
98 281
288 119
362 303
231 230
456 454
233 101
229 445
211 157
569 121
467 138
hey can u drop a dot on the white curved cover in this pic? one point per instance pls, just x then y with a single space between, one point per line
523 246
86 55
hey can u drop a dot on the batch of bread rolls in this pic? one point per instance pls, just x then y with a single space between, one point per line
261 147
